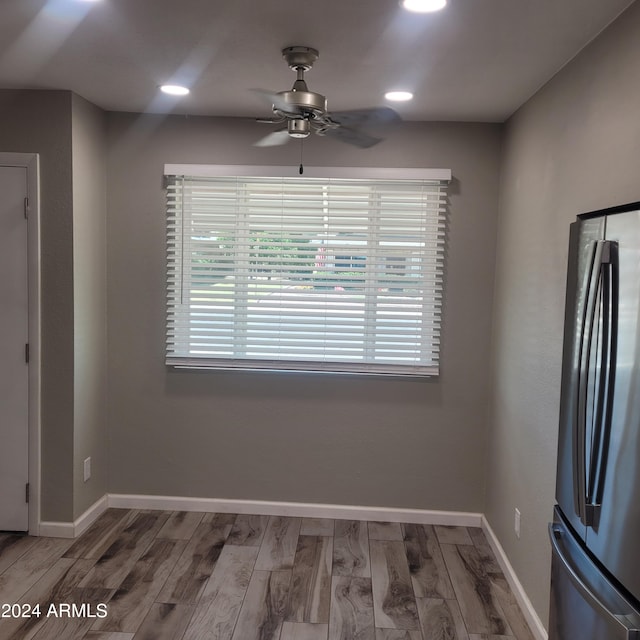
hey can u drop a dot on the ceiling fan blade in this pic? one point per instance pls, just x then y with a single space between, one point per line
277 101
352 136
273 139
365 117
272 120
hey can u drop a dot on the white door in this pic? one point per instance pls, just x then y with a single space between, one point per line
14 336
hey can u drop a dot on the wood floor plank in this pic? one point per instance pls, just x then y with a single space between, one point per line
401 634
61 588
54 586
66 624
452 535
12 547
484 550
101 534
248 530
310 593
351 616
429 574
132 600
304 631
165 622
484 636
18 578
441 619
264 606
189 577
317 527
509 605
384 531
108 635
115 563
394 603
217 611
181 525
278 548
480 609
351 549
220 519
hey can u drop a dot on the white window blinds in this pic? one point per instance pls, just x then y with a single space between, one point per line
320 274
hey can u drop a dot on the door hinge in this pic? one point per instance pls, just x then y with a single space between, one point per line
26 353
27 493
26 207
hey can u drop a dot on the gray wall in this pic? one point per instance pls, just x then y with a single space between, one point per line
574 147
306 438
40 122
89 135
70 135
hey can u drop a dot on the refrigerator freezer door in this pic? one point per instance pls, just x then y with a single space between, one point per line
584 604
615 533
585 237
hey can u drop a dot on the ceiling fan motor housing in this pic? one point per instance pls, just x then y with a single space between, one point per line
310 103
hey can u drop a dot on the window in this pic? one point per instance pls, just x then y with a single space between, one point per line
306 273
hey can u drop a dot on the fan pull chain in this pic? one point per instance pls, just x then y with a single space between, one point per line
301 169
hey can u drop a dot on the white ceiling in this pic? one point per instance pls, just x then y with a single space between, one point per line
478 60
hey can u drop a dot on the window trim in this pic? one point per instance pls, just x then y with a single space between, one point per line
354 173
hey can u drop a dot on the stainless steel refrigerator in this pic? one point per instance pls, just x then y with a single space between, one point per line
595 536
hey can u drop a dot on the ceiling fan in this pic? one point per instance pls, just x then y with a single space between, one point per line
304 111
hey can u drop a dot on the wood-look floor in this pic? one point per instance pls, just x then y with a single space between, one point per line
206 576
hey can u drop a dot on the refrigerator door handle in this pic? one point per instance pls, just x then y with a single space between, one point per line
609 262
625 630
580 421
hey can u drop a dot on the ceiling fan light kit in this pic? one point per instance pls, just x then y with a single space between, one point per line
305 111
298 128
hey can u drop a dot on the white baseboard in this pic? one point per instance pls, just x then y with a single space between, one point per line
56 529
297 509
258 507
534 622
77 527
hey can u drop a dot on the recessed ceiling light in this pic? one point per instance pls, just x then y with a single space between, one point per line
398 96
174 90
424 6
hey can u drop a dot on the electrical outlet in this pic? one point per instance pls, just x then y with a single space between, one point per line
87 469
516 523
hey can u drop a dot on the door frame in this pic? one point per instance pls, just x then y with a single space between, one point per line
31 162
